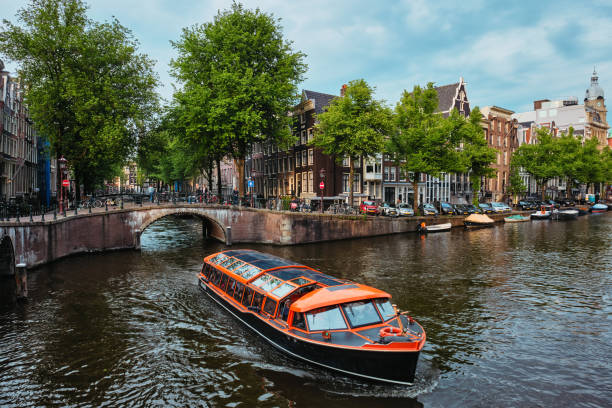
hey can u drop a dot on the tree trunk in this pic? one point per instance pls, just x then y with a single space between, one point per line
351 183
415 192
240 167
219 196
475 190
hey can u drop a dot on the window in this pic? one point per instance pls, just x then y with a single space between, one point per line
357 182
326 318
251 272
386 175
298 159
378 167
236 265
392 175
238 291
257 300
304 158
298 321
224 280
231 287
310 156
266 282
305 182
248 296
361 313
345 183
346 162
303 138
302 118
310 181
310 134
283 289
270 306
369 168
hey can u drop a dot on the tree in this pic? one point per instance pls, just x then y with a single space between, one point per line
477 152
539 159
589 164
353 126
569 147
606 160
424 141
516 185
240 77
87 89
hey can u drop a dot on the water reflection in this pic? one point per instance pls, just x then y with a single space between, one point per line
515 315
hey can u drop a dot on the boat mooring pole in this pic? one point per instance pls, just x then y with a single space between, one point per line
21 279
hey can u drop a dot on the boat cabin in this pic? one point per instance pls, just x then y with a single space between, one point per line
297 298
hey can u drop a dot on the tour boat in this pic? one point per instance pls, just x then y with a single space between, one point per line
331 322
478 221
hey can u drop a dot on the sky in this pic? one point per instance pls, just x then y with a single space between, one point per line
510 53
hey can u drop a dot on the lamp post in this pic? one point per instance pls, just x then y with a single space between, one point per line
322 185
62 169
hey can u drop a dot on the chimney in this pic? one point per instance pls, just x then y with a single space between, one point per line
343 90
538 104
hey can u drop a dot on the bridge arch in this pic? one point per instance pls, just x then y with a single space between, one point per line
212 227
7 256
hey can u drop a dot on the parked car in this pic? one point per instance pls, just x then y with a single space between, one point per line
473 209
461 209
500 207
388 209
486 208
445 208
428 209
369 207
553 203
405 210
526 205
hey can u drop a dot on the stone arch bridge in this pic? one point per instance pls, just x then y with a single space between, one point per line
33 243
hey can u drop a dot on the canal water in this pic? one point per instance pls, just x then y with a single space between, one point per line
516 315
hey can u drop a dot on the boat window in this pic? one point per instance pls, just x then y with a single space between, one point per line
250 273
361 313
248 296
257 300
217 277
231 286
224 280
218 258
227 262
282 290
299 281
270 306
298 321
242 269
238 292
326 318
283 309
267 282
385 308
205 270
237 264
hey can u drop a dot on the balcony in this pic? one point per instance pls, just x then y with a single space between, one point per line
372 177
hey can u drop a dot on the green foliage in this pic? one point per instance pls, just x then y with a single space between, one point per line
541 159
424 141
354 126
516 185
87 89
239 79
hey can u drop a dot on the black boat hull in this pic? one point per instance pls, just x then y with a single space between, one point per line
384 366
474 225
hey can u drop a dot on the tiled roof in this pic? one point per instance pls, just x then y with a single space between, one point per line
321 100
446 94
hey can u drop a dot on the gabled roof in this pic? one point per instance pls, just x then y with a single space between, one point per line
321 100
446 96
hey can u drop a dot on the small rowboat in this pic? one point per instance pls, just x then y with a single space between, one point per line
598 208
436 227
516 218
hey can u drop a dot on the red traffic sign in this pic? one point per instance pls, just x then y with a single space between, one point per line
321 185
66 183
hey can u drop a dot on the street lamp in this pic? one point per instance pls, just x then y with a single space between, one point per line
62 168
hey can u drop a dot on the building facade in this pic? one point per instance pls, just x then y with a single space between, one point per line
501 134
18 143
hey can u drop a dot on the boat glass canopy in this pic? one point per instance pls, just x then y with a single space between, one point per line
251 272
283 290
325 318
267 282
385 308
361 313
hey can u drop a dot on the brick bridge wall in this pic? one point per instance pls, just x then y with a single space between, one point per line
36 243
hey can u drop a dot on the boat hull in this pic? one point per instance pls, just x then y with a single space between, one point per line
396 367
565 215
474 225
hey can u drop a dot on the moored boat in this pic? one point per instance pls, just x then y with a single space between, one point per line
478 221
597 208
334 323
565 214
435 227
542 214
516 218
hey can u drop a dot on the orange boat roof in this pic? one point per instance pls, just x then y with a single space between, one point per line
335 295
